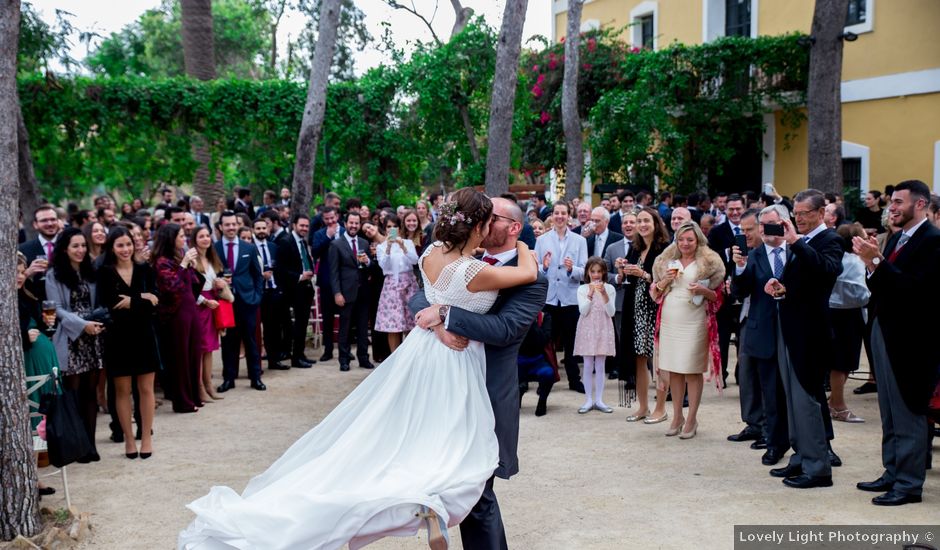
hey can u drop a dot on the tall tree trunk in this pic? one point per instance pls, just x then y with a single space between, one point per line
18 489
468 129
199 59
311 126
29 196
824 96
502 102
570 120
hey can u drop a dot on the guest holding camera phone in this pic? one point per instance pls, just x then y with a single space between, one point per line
397 258
70 283
763 404
127 289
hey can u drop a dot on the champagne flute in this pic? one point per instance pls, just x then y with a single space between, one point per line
49 315
44 258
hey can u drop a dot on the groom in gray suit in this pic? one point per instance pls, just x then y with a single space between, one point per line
502 330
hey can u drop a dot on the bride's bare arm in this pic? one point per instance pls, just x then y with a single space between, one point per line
498 278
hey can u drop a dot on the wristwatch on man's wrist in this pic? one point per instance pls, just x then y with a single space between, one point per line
876 261
442 313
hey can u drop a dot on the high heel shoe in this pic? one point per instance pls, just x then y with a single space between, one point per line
145 456
131 456
691 434
438 539
675 431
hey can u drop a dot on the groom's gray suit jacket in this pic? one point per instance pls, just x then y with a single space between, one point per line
502 329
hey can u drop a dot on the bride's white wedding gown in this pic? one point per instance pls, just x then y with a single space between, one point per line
417 431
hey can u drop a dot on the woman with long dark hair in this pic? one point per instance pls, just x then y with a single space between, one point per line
127 289
179 284
213 289
71 285
649 240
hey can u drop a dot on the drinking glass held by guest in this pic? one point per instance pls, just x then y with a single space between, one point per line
594 340
688 278
397 258
209 265
638 325
178 284
71 285
128 289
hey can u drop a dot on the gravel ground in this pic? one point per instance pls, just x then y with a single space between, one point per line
587 481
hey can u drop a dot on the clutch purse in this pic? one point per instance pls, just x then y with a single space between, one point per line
698 299
99 315
224 315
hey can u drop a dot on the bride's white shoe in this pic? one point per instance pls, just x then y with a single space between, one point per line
438 538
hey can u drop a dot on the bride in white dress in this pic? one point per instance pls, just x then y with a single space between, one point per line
413 444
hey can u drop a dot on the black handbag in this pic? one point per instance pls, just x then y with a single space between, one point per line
99 315
65 433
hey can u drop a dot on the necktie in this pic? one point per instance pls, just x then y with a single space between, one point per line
355 247
598 247
231 255
778 263
49 250
304 256
267 264
902 240
737 231
806 239
490 260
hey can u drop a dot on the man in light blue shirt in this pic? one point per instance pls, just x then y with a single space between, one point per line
562 255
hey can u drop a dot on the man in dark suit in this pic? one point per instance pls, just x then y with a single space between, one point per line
720 239
583 217
196 206
763 404
542 207
294 274
349 274
805 337
502 329
270 301
600 239
280 237
321 248
905 361
241 258
46 224
331 200
243 203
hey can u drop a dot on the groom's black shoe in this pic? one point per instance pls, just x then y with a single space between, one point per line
747 434
806 481
225 386
344 367
787 471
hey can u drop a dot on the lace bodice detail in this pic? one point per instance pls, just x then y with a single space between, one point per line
451 285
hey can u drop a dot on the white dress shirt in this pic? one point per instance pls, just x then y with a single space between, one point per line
562 284
396 262
599 242
503 257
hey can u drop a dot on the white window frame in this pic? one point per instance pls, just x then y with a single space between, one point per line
868 24
857 150
644 9
713 19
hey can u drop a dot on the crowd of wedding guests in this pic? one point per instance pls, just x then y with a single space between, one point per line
649 291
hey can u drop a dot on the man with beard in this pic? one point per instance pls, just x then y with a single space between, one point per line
271 296
294 275
502 330
905 362
349 260
321 246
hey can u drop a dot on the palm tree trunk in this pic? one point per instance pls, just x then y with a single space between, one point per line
199 60
18 491
502 102
311 125
570 120
824 96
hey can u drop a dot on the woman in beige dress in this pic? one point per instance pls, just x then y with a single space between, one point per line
688 278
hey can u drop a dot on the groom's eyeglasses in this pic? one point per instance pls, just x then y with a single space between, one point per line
510 220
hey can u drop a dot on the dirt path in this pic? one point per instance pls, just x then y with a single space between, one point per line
587 481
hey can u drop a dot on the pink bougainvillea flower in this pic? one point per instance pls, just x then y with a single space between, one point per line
552 64
591 44
540 79
586 66
545 117
537 91
535 68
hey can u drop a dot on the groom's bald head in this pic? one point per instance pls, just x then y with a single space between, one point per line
505 227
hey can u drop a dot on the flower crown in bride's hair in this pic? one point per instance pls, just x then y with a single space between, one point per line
451 215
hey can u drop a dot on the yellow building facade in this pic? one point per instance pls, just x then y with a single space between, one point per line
890 76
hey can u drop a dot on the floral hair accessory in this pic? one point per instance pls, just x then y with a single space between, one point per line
450 213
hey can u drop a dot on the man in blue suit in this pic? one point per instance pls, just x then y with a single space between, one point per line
763 404
241 258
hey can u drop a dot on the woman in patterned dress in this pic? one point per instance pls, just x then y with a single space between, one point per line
649 241
397 257
71 285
